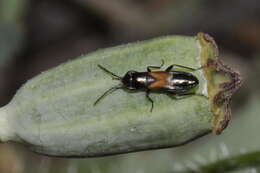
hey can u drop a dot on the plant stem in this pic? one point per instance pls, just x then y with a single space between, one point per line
6 132
239 162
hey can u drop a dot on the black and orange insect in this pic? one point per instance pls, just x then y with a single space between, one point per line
174 82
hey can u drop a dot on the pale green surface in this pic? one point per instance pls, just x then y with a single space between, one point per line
54 112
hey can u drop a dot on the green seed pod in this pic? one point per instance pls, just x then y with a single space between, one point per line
53 113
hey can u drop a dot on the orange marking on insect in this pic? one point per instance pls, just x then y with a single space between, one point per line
161 79
161 75
158 84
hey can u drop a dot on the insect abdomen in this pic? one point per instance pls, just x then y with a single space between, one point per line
181 82
173 81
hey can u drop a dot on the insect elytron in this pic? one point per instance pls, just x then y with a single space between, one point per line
169 81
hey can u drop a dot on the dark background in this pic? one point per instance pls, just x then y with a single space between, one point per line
36 35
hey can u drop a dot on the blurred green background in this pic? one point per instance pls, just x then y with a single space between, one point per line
36 35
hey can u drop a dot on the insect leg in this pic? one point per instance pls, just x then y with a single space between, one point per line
181 95
181 66
184 94
109 91
155 67
149 98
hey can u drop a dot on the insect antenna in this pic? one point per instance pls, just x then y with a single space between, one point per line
116 77
109 91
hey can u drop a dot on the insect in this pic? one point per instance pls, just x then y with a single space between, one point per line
177 83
